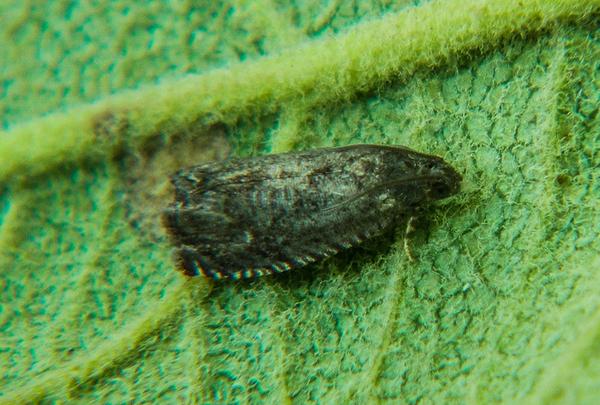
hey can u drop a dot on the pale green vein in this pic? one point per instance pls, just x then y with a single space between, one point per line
363 58
66 380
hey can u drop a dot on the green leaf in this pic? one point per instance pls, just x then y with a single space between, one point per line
501 304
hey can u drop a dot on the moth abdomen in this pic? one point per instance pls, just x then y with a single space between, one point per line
250 217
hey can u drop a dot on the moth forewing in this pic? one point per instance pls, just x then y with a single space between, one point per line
249 217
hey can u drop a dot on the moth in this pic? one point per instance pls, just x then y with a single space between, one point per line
244 218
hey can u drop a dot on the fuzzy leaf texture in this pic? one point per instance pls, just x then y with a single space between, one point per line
101 103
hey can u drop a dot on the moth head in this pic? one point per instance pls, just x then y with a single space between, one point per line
416 178
442 180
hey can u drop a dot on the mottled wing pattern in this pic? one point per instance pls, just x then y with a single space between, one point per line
245 218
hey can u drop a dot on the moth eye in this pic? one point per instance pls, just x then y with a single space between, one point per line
440 189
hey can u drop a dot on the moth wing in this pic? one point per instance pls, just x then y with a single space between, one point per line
238 248
270 214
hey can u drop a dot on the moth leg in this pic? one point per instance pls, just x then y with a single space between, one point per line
410 228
